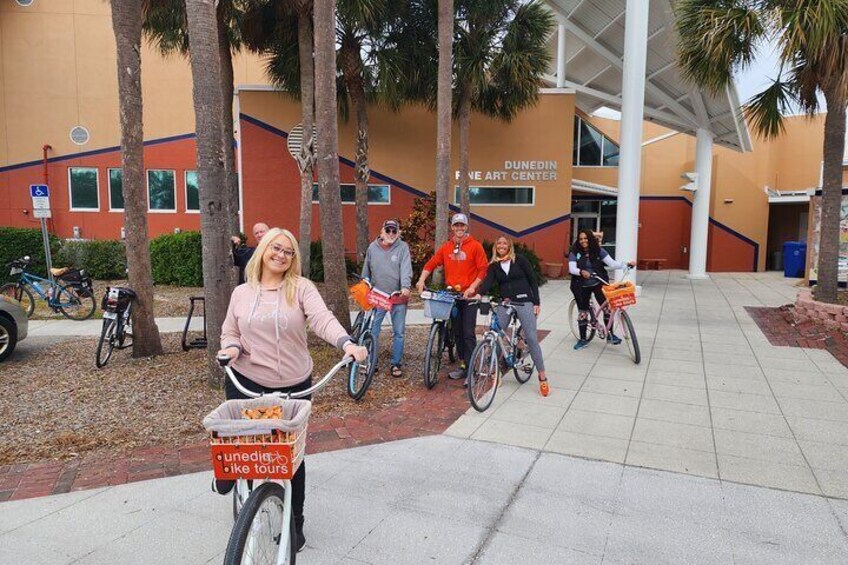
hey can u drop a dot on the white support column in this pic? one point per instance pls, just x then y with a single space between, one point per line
561 57
701 206
632 114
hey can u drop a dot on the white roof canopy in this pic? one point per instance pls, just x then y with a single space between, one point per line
594 59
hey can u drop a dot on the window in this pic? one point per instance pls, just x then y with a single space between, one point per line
592 148
116 190
377 193
161 191
192 192
83 186
499 195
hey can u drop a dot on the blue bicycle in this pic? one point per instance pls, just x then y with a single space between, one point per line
70 293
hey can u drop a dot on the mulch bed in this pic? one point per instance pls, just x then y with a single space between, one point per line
779 326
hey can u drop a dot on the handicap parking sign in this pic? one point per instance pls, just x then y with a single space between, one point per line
39 191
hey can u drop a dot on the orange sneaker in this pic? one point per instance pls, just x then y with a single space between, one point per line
544 388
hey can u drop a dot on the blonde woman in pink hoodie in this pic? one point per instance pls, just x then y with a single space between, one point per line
264 334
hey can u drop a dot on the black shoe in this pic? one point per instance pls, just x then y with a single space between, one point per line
299 538
222 486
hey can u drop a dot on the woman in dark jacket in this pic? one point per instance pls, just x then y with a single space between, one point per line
517 282
586 260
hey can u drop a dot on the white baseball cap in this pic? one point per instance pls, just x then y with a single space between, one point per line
459 219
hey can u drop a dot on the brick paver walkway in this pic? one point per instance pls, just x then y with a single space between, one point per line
778 325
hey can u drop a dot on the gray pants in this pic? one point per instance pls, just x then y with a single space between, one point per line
528 322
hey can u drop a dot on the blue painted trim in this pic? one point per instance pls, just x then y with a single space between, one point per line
419 193
83 154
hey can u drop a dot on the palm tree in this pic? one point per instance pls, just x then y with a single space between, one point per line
443 118
500 56
165 25
126 23
205 59
327 152
717 38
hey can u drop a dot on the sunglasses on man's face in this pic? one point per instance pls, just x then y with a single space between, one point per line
390 230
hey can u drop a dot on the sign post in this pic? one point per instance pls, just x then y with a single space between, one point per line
40 194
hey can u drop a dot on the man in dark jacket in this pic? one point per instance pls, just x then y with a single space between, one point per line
242 252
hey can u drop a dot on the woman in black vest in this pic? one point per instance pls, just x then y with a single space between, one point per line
585 260
517 282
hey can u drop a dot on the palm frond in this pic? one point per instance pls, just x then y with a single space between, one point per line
765 110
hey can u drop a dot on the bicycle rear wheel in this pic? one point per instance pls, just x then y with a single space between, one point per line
628 334
360 375
75 302
257 535
483 376
449 340
433 354
21 294
106 344
523 364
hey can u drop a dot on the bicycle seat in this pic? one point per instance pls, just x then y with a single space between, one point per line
59 271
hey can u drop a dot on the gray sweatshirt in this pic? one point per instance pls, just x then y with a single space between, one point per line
389 269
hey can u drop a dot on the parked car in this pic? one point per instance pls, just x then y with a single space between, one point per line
13 326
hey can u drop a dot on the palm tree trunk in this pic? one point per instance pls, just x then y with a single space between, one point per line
126 24
214 193
464 111
443 119
307 149
227 141
326 120
831 201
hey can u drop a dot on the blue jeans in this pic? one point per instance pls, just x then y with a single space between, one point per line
398 329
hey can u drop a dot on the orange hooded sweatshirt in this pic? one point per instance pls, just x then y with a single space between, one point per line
461 269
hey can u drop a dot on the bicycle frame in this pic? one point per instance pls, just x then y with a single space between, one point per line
27 279
604 329
505 344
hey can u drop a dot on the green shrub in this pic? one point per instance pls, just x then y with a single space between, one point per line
177 259
102 259
18 242
316 262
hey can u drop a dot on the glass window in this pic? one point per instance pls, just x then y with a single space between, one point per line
590 145
498 195
377 193
161 190
83 187
584 207
116 189
192 191
610 153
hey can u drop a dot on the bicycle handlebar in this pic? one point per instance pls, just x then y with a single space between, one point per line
224 361
372 287
627 269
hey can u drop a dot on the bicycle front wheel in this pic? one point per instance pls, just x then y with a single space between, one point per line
573 322
523 364
75 302
21 294
357 325
483 376
628 334
106 344
433 354
360 375
258 537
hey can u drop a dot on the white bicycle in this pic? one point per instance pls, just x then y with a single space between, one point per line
262 465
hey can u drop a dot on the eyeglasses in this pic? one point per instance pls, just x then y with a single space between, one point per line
276 250
390 230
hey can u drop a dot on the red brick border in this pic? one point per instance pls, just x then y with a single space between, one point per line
781 327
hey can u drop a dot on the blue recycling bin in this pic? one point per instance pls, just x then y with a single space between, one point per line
794 259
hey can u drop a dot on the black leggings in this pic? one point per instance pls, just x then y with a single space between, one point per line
583 296
299 480
464 326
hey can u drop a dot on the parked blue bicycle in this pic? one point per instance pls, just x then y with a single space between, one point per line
70 293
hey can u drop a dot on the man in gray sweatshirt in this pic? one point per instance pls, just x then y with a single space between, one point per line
388 265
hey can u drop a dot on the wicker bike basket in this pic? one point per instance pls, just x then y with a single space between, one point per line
620 295
243 448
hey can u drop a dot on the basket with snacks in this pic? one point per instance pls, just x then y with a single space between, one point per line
260 438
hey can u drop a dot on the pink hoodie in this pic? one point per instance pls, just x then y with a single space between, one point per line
272 333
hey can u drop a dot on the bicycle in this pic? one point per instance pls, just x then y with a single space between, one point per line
438 305
74 299
619 295
117 319
368 297
269 453
484 369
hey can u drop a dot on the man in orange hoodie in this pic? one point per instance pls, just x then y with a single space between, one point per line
465 266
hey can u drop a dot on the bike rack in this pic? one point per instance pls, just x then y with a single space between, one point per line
201 342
